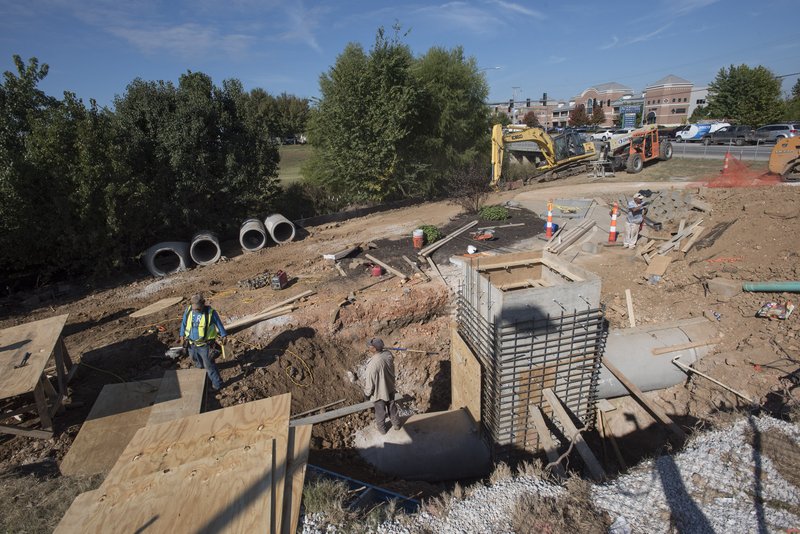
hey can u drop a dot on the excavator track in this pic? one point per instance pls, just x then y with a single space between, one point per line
792 174
564 172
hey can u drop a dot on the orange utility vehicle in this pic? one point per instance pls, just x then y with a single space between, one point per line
631 152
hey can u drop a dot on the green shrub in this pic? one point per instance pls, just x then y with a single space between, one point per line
432 233
494 213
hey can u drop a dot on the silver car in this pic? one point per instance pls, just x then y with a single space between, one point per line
772 132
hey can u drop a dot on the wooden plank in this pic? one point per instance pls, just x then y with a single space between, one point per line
427 251
594 467
157 306
465 377
336 414
336 256
695 236
180 394
299 444
683 346
546 441
119 411
386 266
339 269
651 407
290 300
416 268
229 494
436 268
27 432
629 302
250 320
39 338
256 431
658 266
41 405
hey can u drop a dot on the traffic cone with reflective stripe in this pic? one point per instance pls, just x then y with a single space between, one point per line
549 226
612 232
725 164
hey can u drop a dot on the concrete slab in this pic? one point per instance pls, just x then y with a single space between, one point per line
433 446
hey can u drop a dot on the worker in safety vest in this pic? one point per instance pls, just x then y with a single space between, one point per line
200 328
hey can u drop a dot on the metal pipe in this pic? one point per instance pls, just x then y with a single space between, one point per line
280 228
630 350
205 248
776 287
252 235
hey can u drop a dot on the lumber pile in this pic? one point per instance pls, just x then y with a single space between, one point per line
566 238
690 232
238 469
270 312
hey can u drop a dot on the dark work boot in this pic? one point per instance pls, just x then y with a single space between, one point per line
382 430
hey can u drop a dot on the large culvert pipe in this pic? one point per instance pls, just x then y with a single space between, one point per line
631 351
280 228
205 248
167 258
252 235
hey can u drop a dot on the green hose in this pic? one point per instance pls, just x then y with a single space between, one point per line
777 287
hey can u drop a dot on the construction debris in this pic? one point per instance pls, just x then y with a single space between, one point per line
563 241
386 266
427 251
336 256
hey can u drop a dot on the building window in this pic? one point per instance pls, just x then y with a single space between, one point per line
680 110
700 101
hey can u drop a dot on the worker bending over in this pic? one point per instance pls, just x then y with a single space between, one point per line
379 385
200 328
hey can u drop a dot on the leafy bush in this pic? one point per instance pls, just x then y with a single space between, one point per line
494 213
432 234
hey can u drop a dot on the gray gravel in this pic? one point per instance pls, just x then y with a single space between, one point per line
717 483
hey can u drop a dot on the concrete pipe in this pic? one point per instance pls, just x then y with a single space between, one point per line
280 228
631 351
252 235
167 258
205 248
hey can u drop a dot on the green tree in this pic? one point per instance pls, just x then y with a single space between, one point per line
578 116
745 95
598 116
530 120
498 117
699 113
292 114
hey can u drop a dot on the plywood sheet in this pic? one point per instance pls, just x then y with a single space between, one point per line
230 493
179 395
465 377
162 304
259 427
299 441
37 337
658 266
119 411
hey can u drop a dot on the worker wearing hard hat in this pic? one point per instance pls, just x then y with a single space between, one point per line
379 386
633 220
200 329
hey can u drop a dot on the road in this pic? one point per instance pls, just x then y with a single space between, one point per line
744 153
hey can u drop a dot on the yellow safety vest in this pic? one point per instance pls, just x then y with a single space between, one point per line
206 329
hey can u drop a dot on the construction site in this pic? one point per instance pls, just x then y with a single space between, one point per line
664 377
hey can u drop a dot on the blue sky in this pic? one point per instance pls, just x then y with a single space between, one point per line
96 47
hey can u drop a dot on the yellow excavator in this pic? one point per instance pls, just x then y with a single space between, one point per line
785 159
561 155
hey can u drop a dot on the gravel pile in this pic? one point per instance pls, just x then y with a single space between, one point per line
718 483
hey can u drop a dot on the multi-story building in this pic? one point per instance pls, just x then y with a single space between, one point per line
669 99
603 95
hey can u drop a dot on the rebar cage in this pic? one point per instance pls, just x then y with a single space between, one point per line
520 359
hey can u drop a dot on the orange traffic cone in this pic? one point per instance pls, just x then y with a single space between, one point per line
612 232
549 226
725 164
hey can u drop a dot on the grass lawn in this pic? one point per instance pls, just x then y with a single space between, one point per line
682 169
292 159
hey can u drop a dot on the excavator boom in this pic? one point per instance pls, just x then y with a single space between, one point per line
558 152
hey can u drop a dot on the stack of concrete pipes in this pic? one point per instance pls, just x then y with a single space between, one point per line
171 257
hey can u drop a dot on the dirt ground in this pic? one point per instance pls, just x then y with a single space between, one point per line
314 351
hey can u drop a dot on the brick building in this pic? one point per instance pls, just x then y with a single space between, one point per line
603 95
669 98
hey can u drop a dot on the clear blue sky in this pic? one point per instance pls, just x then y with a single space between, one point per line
96 47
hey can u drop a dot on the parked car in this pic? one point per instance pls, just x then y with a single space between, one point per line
727 135
772 132
603 134
696 132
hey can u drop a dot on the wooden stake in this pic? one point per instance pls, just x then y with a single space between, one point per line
688 369
629 301
425 252
545 440
386 266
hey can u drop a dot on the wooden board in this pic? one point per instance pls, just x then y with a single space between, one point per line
571 432
37 337
226 494
258 428
629 302
546 441
119 411
299 442
179 395
653 408
465 377
162 304
658 266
